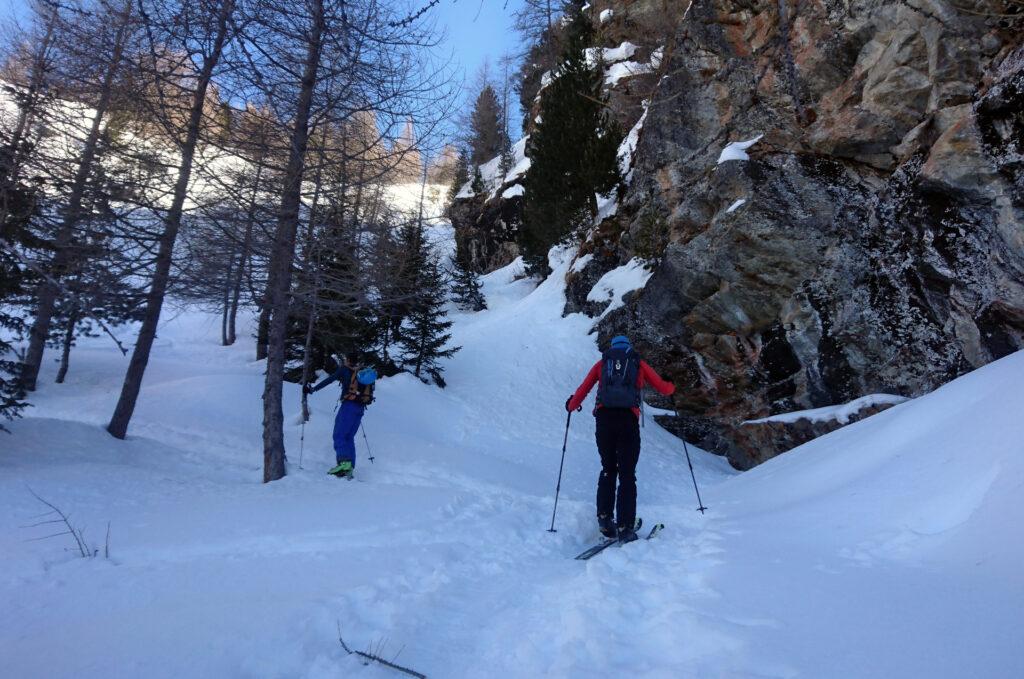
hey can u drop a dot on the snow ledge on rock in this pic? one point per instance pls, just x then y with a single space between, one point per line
840 413
737 150
612 286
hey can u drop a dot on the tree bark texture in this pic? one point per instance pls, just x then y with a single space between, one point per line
284 253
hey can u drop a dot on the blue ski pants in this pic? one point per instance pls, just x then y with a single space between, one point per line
346 426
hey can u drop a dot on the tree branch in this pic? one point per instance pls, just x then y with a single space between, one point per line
375 657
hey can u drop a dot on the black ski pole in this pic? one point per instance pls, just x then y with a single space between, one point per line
701 508
558 486
369 453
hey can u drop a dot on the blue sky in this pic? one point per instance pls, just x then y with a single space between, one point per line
9 7
477 30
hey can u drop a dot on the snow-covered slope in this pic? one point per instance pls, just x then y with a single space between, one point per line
886 549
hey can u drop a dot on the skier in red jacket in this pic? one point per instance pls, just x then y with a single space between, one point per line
620 375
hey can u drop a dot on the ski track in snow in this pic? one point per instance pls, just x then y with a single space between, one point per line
866 553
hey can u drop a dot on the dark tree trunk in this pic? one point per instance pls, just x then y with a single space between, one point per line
263 329
69 339
283 254
118 426
226 302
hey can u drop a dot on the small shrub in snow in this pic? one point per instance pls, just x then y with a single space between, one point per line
84 549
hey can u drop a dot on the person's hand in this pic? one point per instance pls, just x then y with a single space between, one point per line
306 389
567 408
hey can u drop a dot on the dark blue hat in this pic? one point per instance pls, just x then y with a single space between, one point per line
620 341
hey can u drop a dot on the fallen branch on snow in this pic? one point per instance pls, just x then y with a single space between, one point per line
374 655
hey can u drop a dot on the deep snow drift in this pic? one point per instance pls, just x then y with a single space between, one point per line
887 549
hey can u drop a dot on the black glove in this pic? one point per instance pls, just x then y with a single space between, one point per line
567 408
306 389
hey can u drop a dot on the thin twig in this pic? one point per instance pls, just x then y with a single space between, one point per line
82 547
124 352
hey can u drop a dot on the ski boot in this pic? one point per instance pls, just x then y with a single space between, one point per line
606 525
627 533
342 470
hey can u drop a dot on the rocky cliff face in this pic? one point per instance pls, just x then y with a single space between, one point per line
879 247
485 230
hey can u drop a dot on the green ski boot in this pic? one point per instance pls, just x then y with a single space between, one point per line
342 470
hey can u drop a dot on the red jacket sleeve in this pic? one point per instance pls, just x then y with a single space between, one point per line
648 376
584 389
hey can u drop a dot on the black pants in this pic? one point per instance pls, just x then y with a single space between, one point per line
618 442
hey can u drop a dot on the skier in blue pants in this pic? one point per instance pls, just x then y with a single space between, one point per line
346 426
357 393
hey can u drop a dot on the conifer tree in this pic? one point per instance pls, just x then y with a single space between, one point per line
478 185
487 133
573 150
20 201
466 290
345 320
425 338
14 281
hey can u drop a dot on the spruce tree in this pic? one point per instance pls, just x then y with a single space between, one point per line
404 261
11 285
19 203
487 133
573 150
478 185
466 290
424 340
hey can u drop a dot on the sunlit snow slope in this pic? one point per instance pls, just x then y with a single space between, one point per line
888 549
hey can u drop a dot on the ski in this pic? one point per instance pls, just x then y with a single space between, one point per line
596 549
654 531
600 547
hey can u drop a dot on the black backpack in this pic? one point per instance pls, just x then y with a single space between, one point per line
619 370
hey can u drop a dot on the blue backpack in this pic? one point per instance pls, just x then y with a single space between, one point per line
620 368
